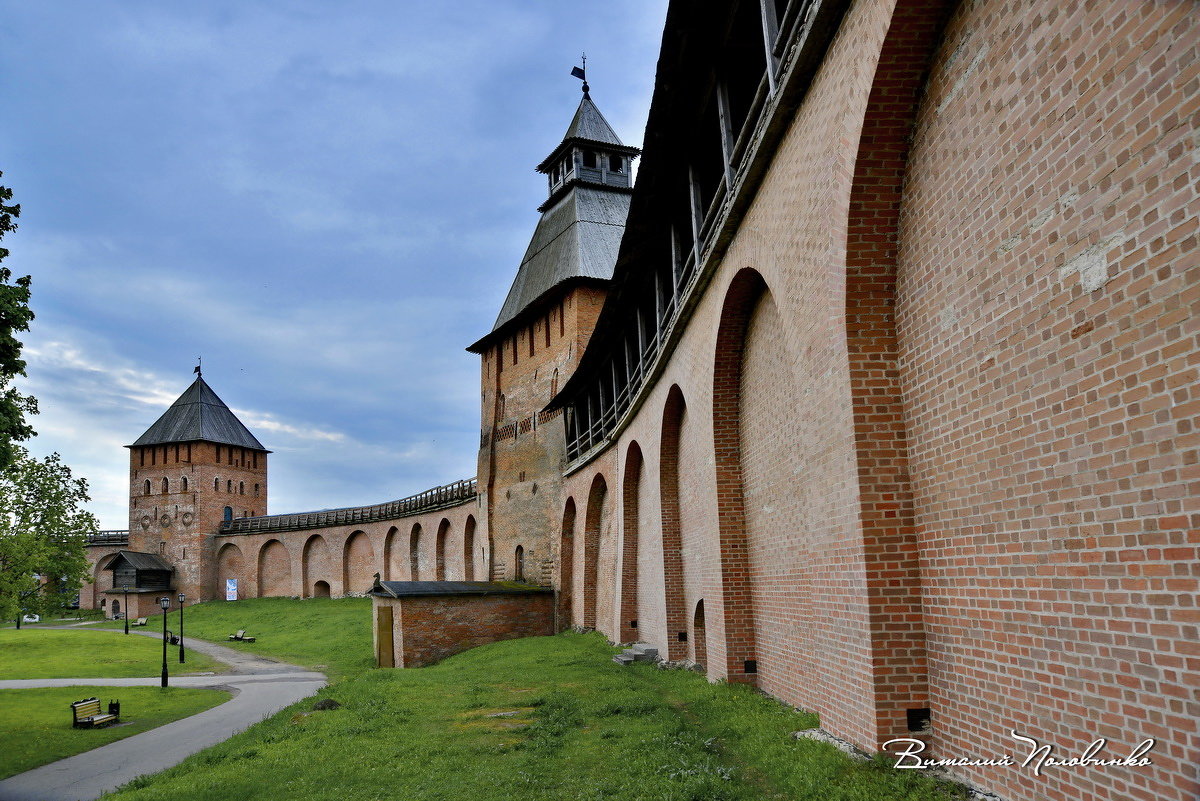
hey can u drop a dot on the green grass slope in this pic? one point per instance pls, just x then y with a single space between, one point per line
35 725
330 634
58 654
540 718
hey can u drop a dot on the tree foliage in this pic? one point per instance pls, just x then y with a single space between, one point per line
43 535
15 315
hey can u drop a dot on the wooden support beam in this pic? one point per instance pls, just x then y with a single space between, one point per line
726 123
770 26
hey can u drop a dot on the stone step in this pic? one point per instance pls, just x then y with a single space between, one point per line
623 659
643 652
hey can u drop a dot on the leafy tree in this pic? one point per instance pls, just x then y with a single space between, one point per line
43 535
15 315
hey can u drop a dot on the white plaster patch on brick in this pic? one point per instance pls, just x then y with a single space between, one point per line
1060 205
965 78
948 317
1042 218
1092 263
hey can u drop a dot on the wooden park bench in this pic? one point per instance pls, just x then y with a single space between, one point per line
88 715
241 636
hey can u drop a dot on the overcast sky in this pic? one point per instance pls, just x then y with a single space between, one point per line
327 201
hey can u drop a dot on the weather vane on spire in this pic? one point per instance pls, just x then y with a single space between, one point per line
581 74
199 363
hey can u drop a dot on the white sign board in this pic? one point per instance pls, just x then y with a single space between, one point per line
230 589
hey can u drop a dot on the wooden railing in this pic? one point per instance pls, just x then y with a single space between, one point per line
110 537
597 410
517 428
443 497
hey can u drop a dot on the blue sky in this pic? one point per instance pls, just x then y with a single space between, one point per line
325 201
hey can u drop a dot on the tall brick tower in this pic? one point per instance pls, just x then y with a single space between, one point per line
537 339
195 467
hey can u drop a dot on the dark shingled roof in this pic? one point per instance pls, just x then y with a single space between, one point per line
588 126
141 561
577 238
588 123
405 589
199 414
580 231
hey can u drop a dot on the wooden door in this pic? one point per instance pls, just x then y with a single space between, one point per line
384 654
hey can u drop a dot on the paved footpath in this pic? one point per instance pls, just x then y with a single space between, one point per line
261 687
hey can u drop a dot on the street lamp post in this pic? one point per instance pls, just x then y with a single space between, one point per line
165 603
125 587
182 598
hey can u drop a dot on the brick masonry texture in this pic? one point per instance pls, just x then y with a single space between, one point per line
428 629
975 490
927 440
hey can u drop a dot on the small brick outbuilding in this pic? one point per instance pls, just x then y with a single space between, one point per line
418 623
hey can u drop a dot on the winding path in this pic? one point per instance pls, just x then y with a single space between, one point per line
260 687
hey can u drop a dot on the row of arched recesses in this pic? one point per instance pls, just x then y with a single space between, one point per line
596 525
768 545
684 629
183 486
166 485
355 571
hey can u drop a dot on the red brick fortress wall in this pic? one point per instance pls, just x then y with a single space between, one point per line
1047 307
178 521
927 439
427 629
342 560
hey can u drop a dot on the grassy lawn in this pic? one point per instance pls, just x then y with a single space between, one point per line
35 725
540 718
56 654
330 634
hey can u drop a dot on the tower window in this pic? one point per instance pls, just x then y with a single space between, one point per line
531 338
183 484
216 484
166 486
615 163
146 487
255 490
241 488
589 159
519 564
229 485
218 454
228 514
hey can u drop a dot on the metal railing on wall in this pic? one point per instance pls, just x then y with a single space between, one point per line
108 538
597 410
442 497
